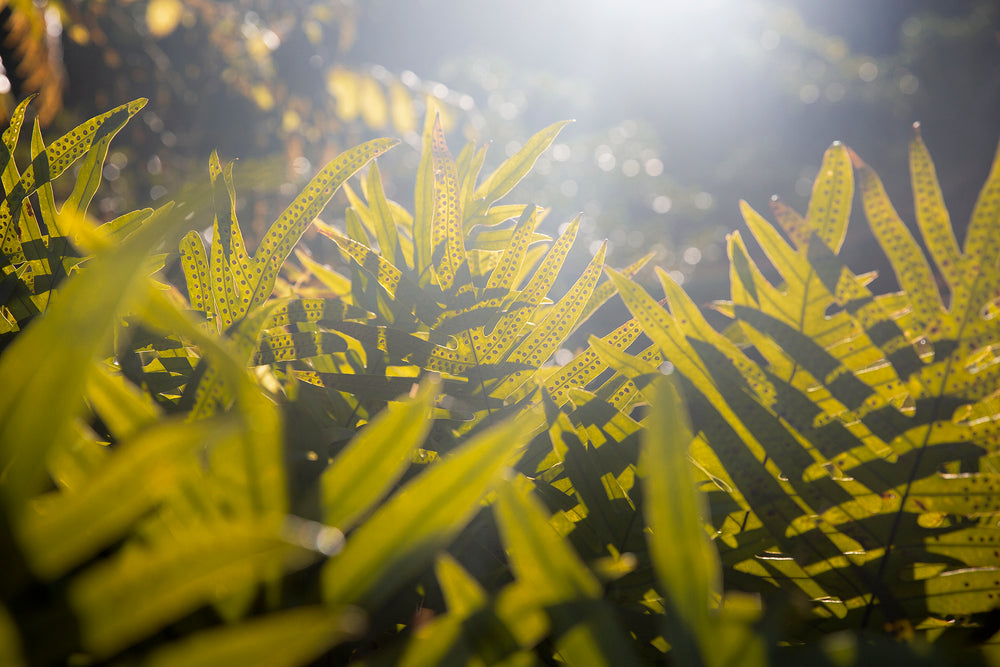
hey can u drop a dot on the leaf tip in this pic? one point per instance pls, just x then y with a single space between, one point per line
746 210
856 160
615 276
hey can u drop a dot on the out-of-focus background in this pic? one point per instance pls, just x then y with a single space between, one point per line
681 108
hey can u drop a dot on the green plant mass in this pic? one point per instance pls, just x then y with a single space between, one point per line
212 456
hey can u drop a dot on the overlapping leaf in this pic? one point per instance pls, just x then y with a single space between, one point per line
481 305
35 258
856 438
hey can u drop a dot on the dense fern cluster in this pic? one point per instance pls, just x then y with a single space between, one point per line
279 460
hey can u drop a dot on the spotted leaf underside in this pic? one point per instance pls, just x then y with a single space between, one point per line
848 439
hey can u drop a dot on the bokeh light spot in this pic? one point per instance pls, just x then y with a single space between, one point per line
466 103
692 256
868 71
809 93
835 92
912 27
508 111
569 188
662 204
908 84
604 158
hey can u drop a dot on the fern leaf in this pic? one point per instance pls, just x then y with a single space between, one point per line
510 173
470 174
496 215
333 281
791 222
424 201
375 459
981 245
97 297
281 347
194 263
223 282
509 265
447 238
388 276
545 338
587 365
12 132
209 391
293 636
830 202
504 335
385 225
549 573
498 286
46 167
285 232
685 561
392 545
140 474
320 311
907 260
932 215
139 592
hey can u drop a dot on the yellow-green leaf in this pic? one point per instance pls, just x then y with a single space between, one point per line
832 195
684 559
374 460
510 173
422 517
90 304
280 639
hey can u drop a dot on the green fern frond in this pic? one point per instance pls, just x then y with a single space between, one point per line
844 442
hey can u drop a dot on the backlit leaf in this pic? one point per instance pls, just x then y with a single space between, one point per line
281 639
684 559
422 517
138 592
373 461
89 305
510 173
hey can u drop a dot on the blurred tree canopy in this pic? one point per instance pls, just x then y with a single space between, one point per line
682 108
